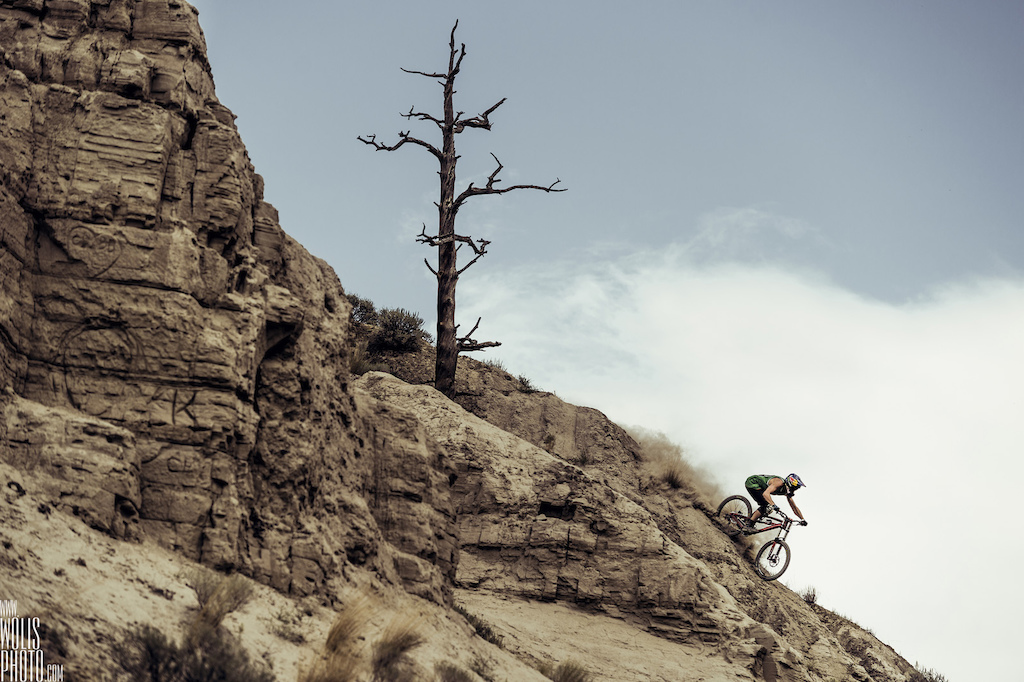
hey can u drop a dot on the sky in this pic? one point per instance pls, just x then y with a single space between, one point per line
791 241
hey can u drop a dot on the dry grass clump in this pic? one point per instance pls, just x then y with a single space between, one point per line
401 636
344 657
349 623
361 361
566 671
340 660
668 462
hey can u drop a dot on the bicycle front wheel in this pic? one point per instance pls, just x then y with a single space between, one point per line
772 560
729 509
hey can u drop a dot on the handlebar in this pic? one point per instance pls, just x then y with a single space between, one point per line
785 518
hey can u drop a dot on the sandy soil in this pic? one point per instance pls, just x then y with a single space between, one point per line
610 648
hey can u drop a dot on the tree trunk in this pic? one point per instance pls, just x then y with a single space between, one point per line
447 271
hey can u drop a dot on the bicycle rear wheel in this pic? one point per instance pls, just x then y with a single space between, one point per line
772 560
727 511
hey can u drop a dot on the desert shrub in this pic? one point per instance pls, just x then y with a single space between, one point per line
449 672
482 628
399 638
218 596
810 595
363 310
203 582
525 385
231 594
146 655
397 330
566 671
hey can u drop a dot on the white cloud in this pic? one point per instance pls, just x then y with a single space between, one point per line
904 420
751 235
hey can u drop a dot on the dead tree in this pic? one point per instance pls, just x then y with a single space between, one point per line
447 242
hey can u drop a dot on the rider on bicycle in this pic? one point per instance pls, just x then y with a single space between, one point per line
762 487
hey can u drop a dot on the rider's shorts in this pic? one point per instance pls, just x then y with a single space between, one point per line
758 496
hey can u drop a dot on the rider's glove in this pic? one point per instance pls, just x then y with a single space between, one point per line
803 522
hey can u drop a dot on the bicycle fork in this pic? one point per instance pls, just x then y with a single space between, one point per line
773 554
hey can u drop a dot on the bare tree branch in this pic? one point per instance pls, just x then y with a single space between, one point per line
466 344
453 64
479 246
403 138
424 73
489 188
423 117
480 121
480 253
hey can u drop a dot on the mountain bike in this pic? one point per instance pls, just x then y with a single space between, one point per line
772 559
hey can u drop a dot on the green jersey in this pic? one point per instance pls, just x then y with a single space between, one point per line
759 482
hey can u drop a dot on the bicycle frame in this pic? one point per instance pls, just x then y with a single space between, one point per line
772 558
784 525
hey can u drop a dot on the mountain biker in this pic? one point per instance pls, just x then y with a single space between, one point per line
761 487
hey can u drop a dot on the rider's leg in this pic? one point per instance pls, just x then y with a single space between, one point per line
758 497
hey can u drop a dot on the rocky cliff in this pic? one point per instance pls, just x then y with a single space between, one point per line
174 379
180 364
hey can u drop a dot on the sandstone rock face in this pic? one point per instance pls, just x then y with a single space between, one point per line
85 465
149 323
533 525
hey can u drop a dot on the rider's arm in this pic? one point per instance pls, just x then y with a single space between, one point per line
773 486
796 509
